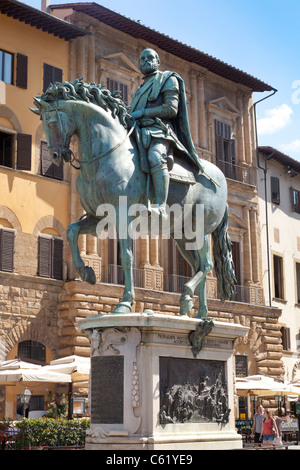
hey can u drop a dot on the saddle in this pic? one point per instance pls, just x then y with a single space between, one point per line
180 170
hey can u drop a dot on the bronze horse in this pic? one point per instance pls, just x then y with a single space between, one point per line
110 169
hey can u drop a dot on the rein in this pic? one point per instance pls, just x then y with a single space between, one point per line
98 157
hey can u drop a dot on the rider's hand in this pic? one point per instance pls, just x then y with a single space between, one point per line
137 114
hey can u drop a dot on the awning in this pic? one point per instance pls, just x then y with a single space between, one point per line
77 367
69 369
21 371
265 386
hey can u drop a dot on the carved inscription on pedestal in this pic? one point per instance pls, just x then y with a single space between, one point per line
107 389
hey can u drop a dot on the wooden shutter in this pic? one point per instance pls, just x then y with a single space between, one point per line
57 75
7 244
236 256
47 76
46 164
51 75
275 190
219 128
233 167
23 152
124 91
58 171
286 338
50 262
22 70
44 257
220 152
295 200
57 258
48 168
114 85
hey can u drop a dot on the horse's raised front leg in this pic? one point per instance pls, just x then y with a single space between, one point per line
203 266
83 226
193 258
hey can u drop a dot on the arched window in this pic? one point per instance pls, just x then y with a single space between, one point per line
32 350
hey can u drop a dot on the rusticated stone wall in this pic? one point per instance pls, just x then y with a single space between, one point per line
28 311
79 300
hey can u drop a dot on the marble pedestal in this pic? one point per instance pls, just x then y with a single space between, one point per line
149 391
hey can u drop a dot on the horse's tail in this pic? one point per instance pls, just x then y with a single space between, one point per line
224 266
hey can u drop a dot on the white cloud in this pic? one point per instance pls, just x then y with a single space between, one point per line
275 120
291 148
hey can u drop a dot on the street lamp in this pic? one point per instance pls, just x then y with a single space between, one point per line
25 399
253 399
278 398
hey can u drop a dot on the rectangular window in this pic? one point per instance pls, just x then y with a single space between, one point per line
241 366
278 277
225 150
7 250
6 149
6 67
275 190
286 338
114 85
23 144
50 257
295 199
51 75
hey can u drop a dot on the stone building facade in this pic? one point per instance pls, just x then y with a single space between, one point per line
31 212
220 105
280 215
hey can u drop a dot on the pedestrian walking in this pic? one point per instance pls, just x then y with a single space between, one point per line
257 425
269 429
281 416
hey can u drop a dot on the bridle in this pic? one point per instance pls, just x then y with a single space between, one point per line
70 153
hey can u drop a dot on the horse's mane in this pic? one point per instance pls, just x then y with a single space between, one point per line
90 93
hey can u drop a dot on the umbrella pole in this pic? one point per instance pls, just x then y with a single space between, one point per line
70 391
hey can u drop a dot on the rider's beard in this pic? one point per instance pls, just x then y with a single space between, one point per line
149 68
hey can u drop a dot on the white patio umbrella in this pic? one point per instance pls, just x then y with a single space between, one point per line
264 386
16 371
77 367
18 364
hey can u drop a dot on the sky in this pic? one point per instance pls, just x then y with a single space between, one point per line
259 37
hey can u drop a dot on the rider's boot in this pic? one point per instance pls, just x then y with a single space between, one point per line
160 179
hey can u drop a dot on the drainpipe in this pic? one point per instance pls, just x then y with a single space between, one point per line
265 168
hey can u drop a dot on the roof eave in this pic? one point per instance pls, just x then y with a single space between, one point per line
170 45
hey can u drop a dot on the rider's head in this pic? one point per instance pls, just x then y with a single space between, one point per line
149 61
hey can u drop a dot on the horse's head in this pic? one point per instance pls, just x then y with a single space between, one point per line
59 128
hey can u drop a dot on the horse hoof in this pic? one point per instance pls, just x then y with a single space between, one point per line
123 307
87 274
186 305
202 313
